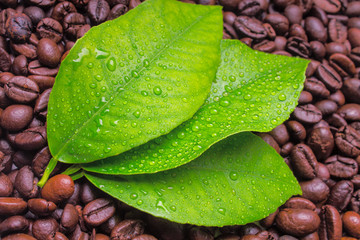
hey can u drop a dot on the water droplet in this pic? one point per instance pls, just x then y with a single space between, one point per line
181 135
139 202
90 65
282 97
195 128
224 103
107 149
233 176
98 77
221 211
92 85
133 196
157 90
135 74
247 97
144 93
146 63
136 114
111 64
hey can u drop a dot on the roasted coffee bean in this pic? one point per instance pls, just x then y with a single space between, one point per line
249 7
321 141
229 4
315 190
329 77
4 16
98 211
341 167
69 219
308 114
72 23
269 220
350 112
32 138
297 222
81 32
293 13
4 100
326 107
16 117
351 91
353 9
19 236
50 28
44 227
58 236
336 121
196 233
21 89
334 47
318 50
40 161
298 47
316 87
5 162
315 29
14 224
305 97
265 46
121 9
342 64
340 194
26 49
35 14
12 206
26 183
279 22
347 140
5 60
299 203
6 186
337 31
58 188
18 27
250 27
353 36
351 222
297 30
303 161
62 9
280 134
44 82
98 11
42 101
331 225
329 6
48 53
270 140
127 229
296 130
40 206
149 237
5 77
36 68
338 97
19 66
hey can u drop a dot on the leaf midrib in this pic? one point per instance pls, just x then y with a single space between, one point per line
151 60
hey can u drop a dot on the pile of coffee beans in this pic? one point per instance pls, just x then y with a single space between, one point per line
320 142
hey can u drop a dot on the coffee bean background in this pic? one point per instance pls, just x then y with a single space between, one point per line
320 142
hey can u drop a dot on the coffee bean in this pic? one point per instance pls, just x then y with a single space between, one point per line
5 60
249 7
18 27
98 11
229 4
197 233
250 27
331 225
5 162
42 101
347 140
305 98
298 47
299 203
26 49
318 50
350 112
279 22
296 130
315 190
98 211
334 47
297 222
69 219
26 183
35 14
40 161
72 23
16 117
36 68
44 227
44 82
315 29
121 9
340 194
270 140
81 32
21 89
19 66
308 114
6 186
62 9
303 161
48 53
58 236
329 77
337 31
149 237
354 37
12 206
326 107
338 97
19 236
341 167
353 9
329 6
316 87
50 28
32 138
40 206
14 224
280 134
127 229
351 222
293 13
321 141
58 188
342 64
351 89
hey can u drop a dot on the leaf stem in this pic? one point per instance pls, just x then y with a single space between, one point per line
50 167
72 169
77 175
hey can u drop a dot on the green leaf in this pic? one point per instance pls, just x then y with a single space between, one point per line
253 91
239 180
133 79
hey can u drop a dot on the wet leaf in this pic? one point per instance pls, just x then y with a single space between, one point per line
253 91
239 180
133 79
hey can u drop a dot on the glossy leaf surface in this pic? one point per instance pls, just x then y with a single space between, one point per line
133 79
253 91
239 180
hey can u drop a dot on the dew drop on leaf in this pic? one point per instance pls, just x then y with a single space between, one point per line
157 90
111 64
